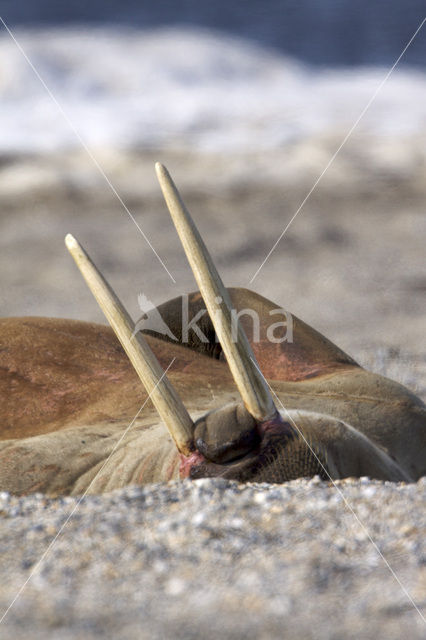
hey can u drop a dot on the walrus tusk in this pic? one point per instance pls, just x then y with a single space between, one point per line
160 390
239 355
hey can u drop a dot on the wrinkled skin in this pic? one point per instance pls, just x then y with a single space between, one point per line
69 394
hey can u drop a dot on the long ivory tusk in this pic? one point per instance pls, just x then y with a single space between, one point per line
251 385
163 395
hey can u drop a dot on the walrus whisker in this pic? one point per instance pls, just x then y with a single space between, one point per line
239 355
163 395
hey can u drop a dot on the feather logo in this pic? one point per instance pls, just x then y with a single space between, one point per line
151 319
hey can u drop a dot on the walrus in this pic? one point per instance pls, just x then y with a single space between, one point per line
223 403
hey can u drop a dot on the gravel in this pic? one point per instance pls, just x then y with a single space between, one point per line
214 558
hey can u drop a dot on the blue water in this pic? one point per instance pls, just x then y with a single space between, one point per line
320 32
188 88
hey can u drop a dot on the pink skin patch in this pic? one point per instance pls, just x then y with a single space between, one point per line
275 425
187 462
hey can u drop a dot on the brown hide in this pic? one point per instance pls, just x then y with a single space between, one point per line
309 353
57 374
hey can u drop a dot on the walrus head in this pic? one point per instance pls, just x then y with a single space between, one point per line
246 441
258 439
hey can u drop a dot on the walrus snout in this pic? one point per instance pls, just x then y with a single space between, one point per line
236 446
226 434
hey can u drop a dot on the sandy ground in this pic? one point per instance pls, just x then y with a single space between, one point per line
207 560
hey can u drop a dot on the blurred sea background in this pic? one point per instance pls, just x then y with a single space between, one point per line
247 103
206 75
